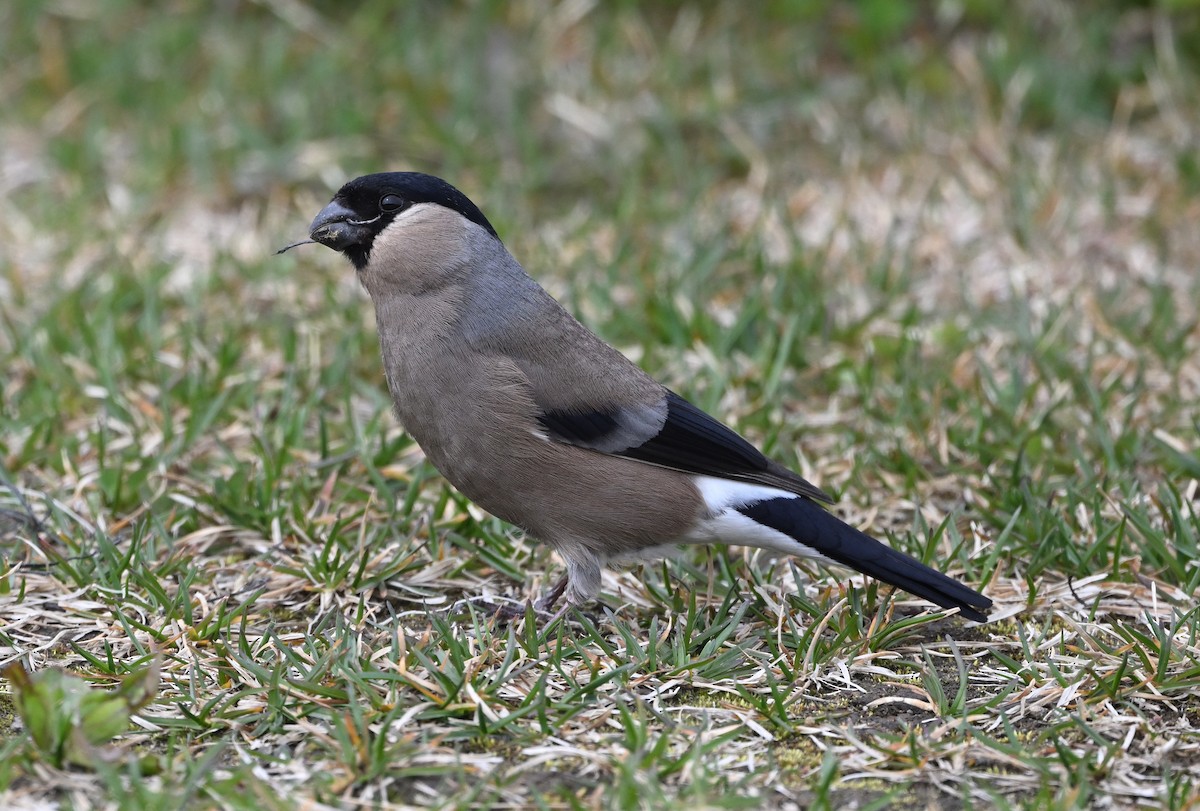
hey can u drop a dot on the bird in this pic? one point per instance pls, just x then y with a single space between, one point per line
540 422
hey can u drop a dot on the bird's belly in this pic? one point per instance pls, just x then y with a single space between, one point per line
566 495
479 428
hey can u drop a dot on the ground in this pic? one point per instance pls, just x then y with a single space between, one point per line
941 259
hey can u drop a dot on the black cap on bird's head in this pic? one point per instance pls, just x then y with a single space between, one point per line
365 206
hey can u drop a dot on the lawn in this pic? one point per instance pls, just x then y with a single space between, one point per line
943 259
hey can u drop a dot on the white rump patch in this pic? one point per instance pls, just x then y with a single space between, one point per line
722 494
723 497
731 527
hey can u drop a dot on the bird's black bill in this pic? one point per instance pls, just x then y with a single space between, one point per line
296 245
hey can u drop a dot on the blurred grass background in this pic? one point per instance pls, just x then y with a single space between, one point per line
940 257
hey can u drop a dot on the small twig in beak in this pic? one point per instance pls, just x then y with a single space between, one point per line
295 244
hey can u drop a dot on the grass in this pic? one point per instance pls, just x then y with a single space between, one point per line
941 262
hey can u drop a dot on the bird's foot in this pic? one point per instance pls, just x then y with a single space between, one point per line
512 611
508 610
543 607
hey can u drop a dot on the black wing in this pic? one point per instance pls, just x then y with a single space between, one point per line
687 439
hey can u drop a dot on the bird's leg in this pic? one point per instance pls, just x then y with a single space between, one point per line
557 615
581 583
541 606
547 600
484 604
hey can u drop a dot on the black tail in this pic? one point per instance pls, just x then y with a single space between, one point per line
812 526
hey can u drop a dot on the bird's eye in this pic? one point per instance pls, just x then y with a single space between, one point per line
391 202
